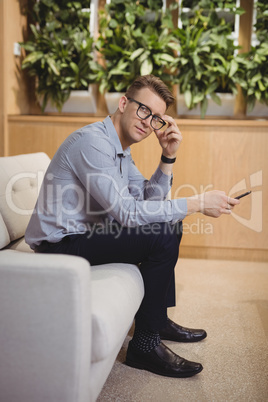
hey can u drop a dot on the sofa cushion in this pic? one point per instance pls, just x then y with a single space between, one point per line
20 177
117 292
19 245
4 235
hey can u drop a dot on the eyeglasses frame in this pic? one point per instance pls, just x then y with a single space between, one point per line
151 114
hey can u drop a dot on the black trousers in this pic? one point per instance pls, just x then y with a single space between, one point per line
153 247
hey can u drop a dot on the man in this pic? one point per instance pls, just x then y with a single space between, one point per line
94 198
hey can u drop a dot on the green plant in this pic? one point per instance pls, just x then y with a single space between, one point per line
257 76
231 5
261 25
256 88
135 39
59 50
207 62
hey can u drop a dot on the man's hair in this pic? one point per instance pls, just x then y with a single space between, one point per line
155 84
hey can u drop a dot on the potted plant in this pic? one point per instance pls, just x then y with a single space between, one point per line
207 64
59 53
134 39
256 90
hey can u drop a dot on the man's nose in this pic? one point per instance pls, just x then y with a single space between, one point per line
147 122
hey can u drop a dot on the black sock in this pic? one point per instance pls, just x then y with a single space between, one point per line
145 340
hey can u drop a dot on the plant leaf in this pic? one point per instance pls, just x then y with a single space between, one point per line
188 98
53 66
130 18
204 106
33 57
233 68
166 57
146 67
216 98
136 53
74 67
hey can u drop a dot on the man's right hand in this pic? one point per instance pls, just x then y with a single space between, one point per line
212 203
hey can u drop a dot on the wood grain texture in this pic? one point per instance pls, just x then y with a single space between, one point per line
213 155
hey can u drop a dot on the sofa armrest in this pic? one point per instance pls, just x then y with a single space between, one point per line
45 331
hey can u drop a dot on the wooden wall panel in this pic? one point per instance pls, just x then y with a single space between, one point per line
220 155
213 155
41 133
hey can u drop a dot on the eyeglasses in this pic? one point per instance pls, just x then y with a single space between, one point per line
143 112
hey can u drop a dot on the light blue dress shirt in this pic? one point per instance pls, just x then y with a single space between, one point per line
90 180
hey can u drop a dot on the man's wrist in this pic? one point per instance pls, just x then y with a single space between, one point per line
165 159
195 204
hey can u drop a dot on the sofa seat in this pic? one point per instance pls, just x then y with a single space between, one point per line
115 296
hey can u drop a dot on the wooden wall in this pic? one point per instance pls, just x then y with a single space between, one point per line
214 154
220 156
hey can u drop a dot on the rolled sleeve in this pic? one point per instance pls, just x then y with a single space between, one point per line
161 182
179 209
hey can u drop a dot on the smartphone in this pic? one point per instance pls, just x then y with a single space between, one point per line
242 195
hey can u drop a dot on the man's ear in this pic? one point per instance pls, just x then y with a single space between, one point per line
122 103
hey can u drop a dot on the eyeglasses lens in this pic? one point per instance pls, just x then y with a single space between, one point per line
157 123
143 112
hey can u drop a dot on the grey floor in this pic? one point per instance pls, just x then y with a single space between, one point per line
230 300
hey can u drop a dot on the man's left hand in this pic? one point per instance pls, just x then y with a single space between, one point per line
170 138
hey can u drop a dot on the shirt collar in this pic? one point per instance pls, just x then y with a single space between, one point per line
114 136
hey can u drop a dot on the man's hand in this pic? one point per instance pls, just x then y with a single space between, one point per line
213 203
170 138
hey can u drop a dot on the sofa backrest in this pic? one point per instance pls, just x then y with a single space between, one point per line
20 180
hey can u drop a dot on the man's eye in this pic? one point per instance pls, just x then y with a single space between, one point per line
144 109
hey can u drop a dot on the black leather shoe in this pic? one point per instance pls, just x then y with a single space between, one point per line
162 361
176 333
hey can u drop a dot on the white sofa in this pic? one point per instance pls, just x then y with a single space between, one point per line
62 322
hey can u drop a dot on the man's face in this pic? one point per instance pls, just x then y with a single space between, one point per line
132 128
